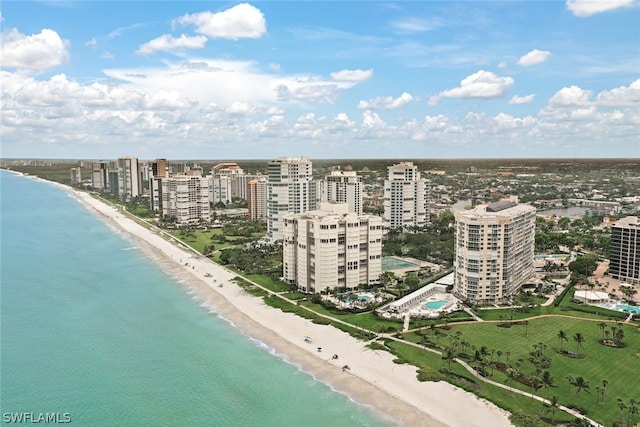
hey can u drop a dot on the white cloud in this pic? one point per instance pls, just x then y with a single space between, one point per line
238 22
416 25
506 121
570 96
352 75
482 84
167 42
534 57
517 100
241 109
621 96
386 103
371 119
91 42
274 66
166 105
502 65
107 55
586 8
39 52
231 81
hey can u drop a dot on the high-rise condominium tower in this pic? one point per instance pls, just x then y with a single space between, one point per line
344 187
406 197
290 190
624 251
494 247
129 179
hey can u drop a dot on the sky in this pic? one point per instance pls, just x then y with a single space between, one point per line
337 79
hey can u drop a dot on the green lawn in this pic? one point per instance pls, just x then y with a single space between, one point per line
363 320
198 239
619 366
269 283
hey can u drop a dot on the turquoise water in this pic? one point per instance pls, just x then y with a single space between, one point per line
91 327
434 305
628 308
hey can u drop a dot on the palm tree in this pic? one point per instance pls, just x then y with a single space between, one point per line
563 337
449 354
465 345
619 334
633 410
536 383
499 353
579 339
579 383
605 383
554 404
621 406
602 326
547 380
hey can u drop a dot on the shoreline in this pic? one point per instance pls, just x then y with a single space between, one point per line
389 390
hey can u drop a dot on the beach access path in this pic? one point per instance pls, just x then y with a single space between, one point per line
373 379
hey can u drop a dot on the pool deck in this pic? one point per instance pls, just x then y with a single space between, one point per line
414 265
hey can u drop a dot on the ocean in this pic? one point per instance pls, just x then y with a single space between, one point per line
94 332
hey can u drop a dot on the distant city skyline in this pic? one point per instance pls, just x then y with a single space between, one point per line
324 80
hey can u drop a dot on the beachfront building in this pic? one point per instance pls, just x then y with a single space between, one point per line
406 197
344 187
494 248
160 170
331 248
183 198
290 189
76 175
219 189
624 251
129 178
257 195
100 176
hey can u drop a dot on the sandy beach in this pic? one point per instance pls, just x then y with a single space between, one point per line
374 380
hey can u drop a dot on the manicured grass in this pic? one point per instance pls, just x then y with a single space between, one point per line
505 399
508 314
267 282
197 239
619 366
363 320
296 296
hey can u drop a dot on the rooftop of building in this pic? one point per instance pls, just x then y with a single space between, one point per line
628 221
505 208
226 165
501 205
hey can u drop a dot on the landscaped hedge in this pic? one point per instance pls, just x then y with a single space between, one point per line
560 297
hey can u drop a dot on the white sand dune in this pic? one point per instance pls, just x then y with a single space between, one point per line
373 379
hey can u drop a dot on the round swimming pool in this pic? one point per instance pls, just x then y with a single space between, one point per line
434 305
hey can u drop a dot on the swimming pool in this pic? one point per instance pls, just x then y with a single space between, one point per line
395 263
434 305
628 308
364 298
